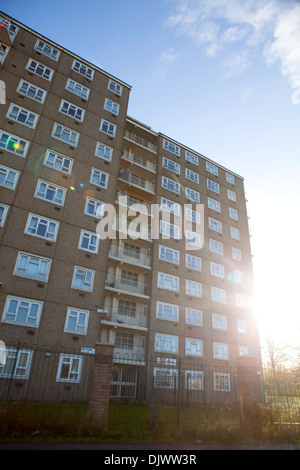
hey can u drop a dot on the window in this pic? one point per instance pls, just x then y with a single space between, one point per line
193 316
220 351
47 50
127 308
218 295
71 110
229 178
111 106
78 89
3 213
58 162
169 230
215 225
77 321
94 208
192 195
193 288
108 128
16 363
193 238
8 177
42 227
124 340
69 368
219 322
221 382
22 311
231 195
166 343
238 276
233 213
4 50
170 165
217 270
11 28
212 168
66 135
104 152
190 157
192 175
166 281
243 350
170 206
215 246
235 233
32 266
12 143
82 69
165 378
88 241
192 216
213 186
170 185
50 192
22 115
39 69
83 279
194 380
193 347
115 87
168 254
31 91
236 254
239 300
193 262
129 278
166 311
214 205
171 147
242 326
99 178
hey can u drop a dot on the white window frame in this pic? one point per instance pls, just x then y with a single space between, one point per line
4 50
59 193
15 112
219 322
170 206
236 254
167 311
216 247
238 276
166 343
235 233
42 275
233 213
47 50
108 128
212 168
213 186
190 157
221 382
165 253
244 350
231 195
192 215
4 214
167 282
20 359
221 351
170 185
169 230
74 375
98 208
115 87
84 273
78 89
165 378
42 222
193 316
71 110
92 239
57 161
218 294
8 183
83 69
217 270
193 288
19 145
215 225
194 380
76 315
104 151
111 107
22 303
31 91
193 262
193 238
242 326
192 175
71 137
229 178
167 145
39 69
214 205
171 165
194 347
96 173
192 195
239 300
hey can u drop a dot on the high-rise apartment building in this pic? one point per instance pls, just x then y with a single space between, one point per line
67 148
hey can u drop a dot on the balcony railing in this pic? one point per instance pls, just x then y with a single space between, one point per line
127 284
139 160
126 318
141 141
138 181
136 257
124 354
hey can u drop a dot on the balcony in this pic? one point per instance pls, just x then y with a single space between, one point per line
139 161
137 181
129 255
129 229
124 354
141 141
127 285
120 317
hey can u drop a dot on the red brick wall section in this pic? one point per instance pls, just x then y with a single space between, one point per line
101 382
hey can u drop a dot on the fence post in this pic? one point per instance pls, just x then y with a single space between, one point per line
101 384
248 382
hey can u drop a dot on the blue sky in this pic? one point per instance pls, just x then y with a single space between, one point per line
222 78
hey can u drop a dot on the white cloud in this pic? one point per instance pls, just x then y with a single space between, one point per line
274 25
169 56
